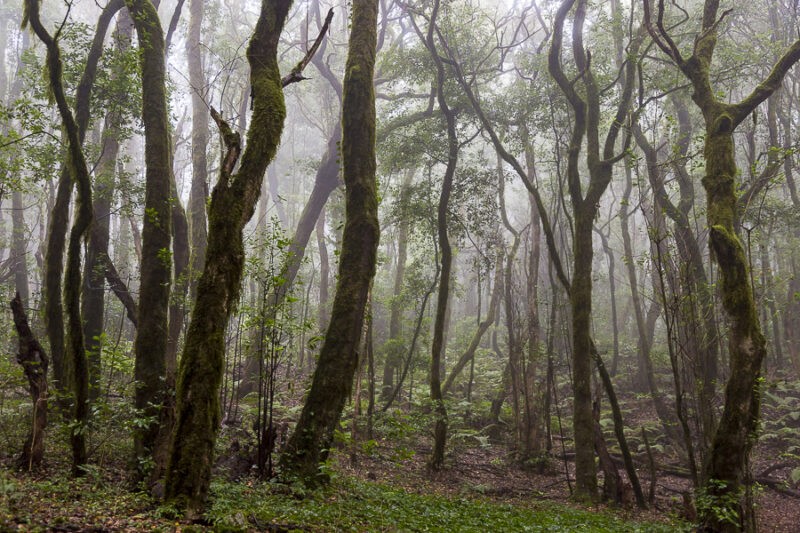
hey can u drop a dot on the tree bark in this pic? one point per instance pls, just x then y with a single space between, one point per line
726 470
34 362
333 378
600 160
59 216
233 203
199 189
79 174
150 345
97 260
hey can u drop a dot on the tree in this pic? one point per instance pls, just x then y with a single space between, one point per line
156 265
333 378
724 505
199 190
34 362
233 202
79 174
600 162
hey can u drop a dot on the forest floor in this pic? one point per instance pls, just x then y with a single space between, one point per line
375 491
377 495
384 485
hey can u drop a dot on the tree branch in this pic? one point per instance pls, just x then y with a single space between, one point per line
297 72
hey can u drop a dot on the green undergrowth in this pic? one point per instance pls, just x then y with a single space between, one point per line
354 505
100 502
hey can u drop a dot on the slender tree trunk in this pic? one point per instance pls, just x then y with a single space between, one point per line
19 241
79 173
395 350
34 362
324 272
150 346
199 189
333 377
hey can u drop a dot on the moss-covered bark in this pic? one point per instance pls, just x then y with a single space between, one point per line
723 505
600 158
34 363
438 344
79 173
333 377
233 202
97 260
156 263
59 216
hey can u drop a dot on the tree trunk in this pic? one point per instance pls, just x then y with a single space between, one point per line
19 250
233 203
79 173
581 306
199 190
59 216
324 273
726 470
150 345
394 352
34 362
333 377
600 159
93 299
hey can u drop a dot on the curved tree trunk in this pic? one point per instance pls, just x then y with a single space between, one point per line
34 362
333 377
726 503
233 203
59 216
79 173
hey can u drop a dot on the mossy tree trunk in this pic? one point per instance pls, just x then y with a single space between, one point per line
94 278
78 171
233 203
34 363
600 159
59 215
438 344
333 378
724 504
150 345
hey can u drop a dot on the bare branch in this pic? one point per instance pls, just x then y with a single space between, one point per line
297 72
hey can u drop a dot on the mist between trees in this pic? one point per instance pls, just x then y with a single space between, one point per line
282 241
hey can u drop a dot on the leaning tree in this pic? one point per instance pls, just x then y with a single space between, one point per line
724 505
